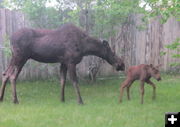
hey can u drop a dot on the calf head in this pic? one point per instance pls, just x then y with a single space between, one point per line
119 64
111 57
154 72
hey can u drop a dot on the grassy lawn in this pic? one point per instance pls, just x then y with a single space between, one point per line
40 106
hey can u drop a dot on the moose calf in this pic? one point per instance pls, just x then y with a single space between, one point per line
142 72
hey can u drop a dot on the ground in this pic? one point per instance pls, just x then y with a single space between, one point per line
40 106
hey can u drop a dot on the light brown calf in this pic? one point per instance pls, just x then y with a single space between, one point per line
142 72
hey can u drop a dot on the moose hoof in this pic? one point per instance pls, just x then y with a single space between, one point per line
63 100
15 101
80 102
120 101
1 99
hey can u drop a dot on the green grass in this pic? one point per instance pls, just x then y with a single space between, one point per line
40 106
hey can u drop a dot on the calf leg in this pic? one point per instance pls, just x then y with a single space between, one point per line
63 73
126 83
154 88
128 88
94 77
73 77
142 92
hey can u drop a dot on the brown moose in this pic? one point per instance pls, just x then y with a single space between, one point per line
66 45
142 72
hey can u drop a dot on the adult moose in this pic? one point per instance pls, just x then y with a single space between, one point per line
66 45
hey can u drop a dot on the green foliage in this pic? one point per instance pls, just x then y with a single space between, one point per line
104 14
175 64
39 14
162 8
6 46
175 47
162 53
111 13
40 105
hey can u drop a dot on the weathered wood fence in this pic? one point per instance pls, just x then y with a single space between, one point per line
145 45
137 46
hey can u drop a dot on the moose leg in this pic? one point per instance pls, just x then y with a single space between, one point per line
94 76
63 73
128 96
154 88
5 77
4 81
126 83
73 77
128 87
91 76
3 86
142 91
13 77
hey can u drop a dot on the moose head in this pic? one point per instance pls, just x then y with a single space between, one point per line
111 57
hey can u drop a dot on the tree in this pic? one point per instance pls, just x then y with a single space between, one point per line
162 8
1 3
98 17
39 13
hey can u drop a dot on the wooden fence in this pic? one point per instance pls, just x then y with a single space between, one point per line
137 46
145 45
11 21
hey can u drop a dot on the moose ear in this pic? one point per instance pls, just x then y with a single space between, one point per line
105 43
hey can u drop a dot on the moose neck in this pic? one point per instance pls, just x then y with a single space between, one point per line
95 47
